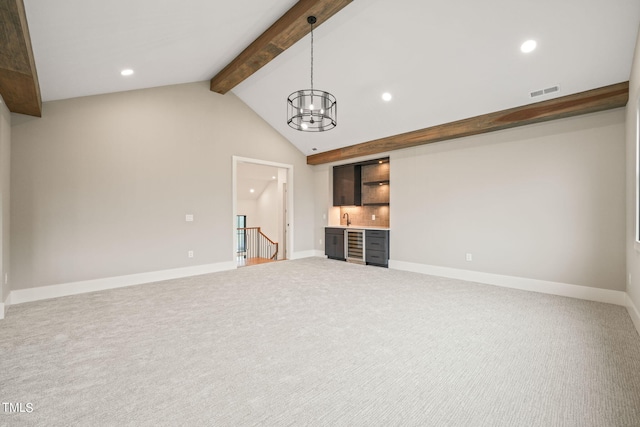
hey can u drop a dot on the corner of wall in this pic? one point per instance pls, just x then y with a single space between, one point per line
633 252
5 202
4 305
634 313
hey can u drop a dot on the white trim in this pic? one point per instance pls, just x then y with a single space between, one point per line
20 296
4 306
307 254
633 312
522 283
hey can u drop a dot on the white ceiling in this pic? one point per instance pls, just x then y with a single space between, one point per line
442 61
256 177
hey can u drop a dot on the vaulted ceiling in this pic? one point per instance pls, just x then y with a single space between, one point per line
443 62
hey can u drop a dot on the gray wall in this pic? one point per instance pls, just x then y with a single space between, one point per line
101 184
5 170
544 202
633 248
249 207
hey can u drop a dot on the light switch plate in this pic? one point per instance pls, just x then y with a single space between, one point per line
188 217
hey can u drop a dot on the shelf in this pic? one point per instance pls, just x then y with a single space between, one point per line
376 183
376 204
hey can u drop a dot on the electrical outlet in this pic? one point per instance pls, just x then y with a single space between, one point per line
190 254
188 217
469 257
320 241
373 217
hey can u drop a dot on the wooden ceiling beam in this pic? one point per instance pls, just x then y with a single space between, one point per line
291 27
19 85
605 98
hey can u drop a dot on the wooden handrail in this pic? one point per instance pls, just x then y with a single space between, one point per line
264 235
258 229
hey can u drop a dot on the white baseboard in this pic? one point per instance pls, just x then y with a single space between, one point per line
20 296
534 285
307 254
634 313
4 306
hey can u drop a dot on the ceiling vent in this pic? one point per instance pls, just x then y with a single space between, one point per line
541 92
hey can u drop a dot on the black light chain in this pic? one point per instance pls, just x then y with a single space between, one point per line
312 60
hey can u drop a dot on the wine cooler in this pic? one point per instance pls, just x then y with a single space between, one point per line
354 244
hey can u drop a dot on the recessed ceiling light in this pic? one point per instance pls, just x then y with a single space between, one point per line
386 96
273 177
126 72
252 190
528 46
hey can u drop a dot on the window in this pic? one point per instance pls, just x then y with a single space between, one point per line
241 224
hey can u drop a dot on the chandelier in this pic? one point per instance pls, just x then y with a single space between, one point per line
312 110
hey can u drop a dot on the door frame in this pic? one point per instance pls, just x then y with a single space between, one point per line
289 231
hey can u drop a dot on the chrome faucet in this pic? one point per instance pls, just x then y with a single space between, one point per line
348 220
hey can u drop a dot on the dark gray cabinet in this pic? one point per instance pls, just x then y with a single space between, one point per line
377 247
334 243
347 185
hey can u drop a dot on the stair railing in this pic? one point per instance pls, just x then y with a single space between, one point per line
255 244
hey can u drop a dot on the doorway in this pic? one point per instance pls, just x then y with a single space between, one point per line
262 211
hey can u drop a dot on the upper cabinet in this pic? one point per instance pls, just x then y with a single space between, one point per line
361 184
347 182
375 183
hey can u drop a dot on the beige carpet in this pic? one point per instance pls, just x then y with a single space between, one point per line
319 342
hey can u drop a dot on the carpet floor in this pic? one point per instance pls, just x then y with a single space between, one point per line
321 343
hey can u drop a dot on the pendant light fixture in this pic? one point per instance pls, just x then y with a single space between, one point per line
312 110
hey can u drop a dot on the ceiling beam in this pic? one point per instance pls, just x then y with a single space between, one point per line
19 85
291 27
591 101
